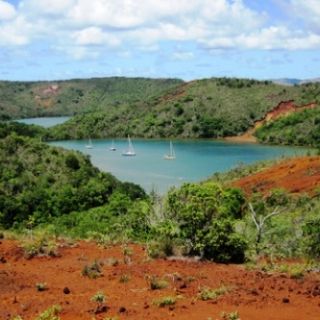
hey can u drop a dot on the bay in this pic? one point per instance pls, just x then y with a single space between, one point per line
195 160
44 121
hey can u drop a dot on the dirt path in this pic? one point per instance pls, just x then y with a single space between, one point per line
255 295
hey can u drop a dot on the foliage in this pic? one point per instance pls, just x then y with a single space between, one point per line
158 284
92 271
36 99
165 301
207 108
51 313
45 182
312 236
230 315
99 298
39 243
212 294
202 216
300 128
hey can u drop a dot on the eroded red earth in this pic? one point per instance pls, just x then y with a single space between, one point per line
296 175
255 295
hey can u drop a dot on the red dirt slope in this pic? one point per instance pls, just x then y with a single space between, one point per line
283 109
255 295
297 175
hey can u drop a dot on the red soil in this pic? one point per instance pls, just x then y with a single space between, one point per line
296 175
255 295
283 109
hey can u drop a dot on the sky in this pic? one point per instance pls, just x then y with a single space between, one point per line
186 39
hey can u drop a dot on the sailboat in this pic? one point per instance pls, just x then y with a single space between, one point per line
130 150
171 155
89 145
112 148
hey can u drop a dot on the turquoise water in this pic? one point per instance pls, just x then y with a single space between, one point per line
45 121
195 160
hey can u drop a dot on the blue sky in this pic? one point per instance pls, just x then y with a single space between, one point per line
190 39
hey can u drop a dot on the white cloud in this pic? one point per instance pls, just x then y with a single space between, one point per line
7 10
132 24
183 55
15 33
95 36
308 10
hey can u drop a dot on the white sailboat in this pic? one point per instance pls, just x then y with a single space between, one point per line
171 155
112 148
89 145
130 151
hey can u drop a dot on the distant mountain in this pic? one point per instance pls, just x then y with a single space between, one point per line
293 81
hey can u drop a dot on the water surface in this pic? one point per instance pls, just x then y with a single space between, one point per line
195 160
44 121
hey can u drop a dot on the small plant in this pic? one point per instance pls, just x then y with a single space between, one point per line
165 301
40 244
16 318
158 284
211 294
124 278
51 313
92 271
110 318
41 286
100 299
127 254
230 316
112 262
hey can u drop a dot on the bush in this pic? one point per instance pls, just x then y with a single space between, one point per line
203 216
312 237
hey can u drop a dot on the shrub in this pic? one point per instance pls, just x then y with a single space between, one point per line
51 313
230 316
211 294
165 301
39 244
92 271
202 216
312 237
158 284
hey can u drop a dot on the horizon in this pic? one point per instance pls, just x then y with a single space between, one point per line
190 40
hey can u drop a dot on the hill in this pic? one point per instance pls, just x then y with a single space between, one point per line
299 128
64 98
40 182
208 108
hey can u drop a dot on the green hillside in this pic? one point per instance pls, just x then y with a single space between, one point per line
301 128
43 182
31 99
206 108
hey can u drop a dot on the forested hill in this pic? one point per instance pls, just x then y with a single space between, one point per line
206 108
58 98
41 182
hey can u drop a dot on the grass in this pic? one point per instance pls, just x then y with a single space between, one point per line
165 301
230 315
51 313
92 271
206 293
158 284
39 244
